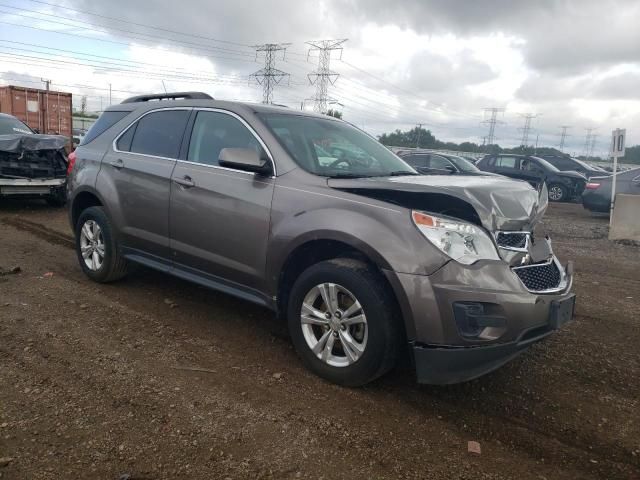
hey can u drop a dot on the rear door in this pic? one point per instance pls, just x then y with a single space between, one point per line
220 217
136 175
506 165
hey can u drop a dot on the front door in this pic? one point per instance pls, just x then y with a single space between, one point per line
220 217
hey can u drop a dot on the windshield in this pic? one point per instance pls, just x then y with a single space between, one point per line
11 125
332 148
463 164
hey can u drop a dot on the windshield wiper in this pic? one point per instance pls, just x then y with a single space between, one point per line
401 173
348 175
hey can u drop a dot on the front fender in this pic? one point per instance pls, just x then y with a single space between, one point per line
383 232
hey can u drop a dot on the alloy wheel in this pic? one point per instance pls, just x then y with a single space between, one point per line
334 324
556 193
92 245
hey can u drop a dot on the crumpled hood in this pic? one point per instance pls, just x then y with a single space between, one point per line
17 143
500 203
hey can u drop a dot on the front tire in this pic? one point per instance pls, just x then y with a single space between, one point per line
98 252
342 322
558 193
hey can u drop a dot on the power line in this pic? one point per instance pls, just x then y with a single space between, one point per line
140 24
492 122
323 76
269 76
109 29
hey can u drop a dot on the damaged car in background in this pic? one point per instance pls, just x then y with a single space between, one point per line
314 219
31 164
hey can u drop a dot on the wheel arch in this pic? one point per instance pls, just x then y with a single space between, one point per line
314 248
81 201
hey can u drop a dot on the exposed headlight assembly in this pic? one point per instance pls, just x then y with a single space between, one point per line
464 242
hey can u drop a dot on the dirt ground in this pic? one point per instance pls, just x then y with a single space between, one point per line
153 377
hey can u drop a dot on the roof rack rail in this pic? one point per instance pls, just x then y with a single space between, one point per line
169 96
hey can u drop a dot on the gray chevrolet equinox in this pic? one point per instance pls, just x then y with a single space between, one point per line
317 221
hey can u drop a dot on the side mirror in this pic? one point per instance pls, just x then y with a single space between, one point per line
450 168
246 159
35 130
636 181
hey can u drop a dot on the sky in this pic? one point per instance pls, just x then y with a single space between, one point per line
438 63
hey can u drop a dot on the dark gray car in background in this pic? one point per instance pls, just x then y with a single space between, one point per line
597 194
361 255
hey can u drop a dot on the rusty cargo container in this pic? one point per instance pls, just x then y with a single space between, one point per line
46 111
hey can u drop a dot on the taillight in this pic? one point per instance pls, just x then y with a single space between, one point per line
592 186
71 162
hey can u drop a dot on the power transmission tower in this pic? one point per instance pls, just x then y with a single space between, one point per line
587 141
269 76
527 127
83 104
593 145
492 122
419 125
323 76
563 136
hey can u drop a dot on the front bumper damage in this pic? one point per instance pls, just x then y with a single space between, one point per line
32 186
470 319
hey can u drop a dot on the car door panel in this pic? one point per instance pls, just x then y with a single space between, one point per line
219 221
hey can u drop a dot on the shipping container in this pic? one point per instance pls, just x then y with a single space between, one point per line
46 111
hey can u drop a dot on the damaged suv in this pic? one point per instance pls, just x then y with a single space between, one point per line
32 165
361 254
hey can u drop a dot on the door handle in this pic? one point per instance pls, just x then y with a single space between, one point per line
117 164
185 181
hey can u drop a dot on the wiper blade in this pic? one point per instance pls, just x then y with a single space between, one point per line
348 175
401 173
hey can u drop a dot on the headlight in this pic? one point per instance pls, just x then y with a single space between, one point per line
462 241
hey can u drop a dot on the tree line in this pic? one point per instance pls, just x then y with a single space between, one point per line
422 138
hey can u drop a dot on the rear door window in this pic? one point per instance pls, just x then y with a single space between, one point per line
105 122
506 162
159 133
213 131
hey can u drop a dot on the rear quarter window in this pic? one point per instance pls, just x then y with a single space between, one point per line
105 122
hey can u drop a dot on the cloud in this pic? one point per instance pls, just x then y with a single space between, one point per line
433 61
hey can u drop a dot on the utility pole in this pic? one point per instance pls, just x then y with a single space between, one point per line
563 136
587 142
110 93
419 132
527 127
492 122
46 82
323 76
269 76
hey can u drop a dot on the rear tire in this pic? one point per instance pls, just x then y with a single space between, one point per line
558 193
97 249
359 325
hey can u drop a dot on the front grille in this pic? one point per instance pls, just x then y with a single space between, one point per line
512 239
539 277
